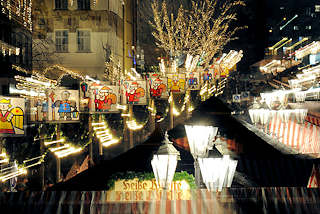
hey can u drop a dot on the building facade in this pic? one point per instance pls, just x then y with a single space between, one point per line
15 40
81 35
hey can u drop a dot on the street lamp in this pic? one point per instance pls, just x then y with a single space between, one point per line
200 140
217 172
164 163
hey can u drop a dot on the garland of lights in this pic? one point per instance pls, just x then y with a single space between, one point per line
19 13
65 73
104 134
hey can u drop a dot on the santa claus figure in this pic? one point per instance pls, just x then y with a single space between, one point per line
105 99
157 88
133 93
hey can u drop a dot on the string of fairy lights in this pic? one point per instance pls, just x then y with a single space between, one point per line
19 11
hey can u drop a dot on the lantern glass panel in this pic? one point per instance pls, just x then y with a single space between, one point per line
217 172
164 167
200 139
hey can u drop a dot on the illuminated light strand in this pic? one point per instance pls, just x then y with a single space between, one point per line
34 86
122 107
9 49
297 82
55 149
108 137
297 43
311 48
270 64
13 174
33 80
125 115
99 128
283 44
194 63
16 12
91 79
98 124
175 112
18 68
283 26
278 43
27 93
131 76
162 67
275 66
34 164
111 142
53 142
188 62
221 58
103 135
32 159
315 69
66 72
204 89
135 72
231 59
306 75
68 152
102 132
5 160
7 168
132 125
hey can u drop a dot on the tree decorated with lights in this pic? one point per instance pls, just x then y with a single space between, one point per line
203 30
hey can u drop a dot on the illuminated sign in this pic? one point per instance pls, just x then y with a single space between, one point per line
148 190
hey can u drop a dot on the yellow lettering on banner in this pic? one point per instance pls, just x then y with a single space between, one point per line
149 195
148 190
154 185
126 185
179 193
144 186
169 195
127 196
118 196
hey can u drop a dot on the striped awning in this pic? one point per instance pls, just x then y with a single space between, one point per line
304 137
235 200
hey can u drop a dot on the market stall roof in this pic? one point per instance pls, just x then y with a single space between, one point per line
233 200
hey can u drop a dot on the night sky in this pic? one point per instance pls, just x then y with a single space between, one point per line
259 16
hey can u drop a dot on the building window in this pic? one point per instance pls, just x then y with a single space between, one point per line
61 4
308 27
83 4
317 8
62 41
83 40
295 27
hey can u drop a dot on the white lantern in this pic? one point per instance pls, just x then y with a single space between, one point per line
254 115
200 139
164 163
264 115
301 115
300 96
217 172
